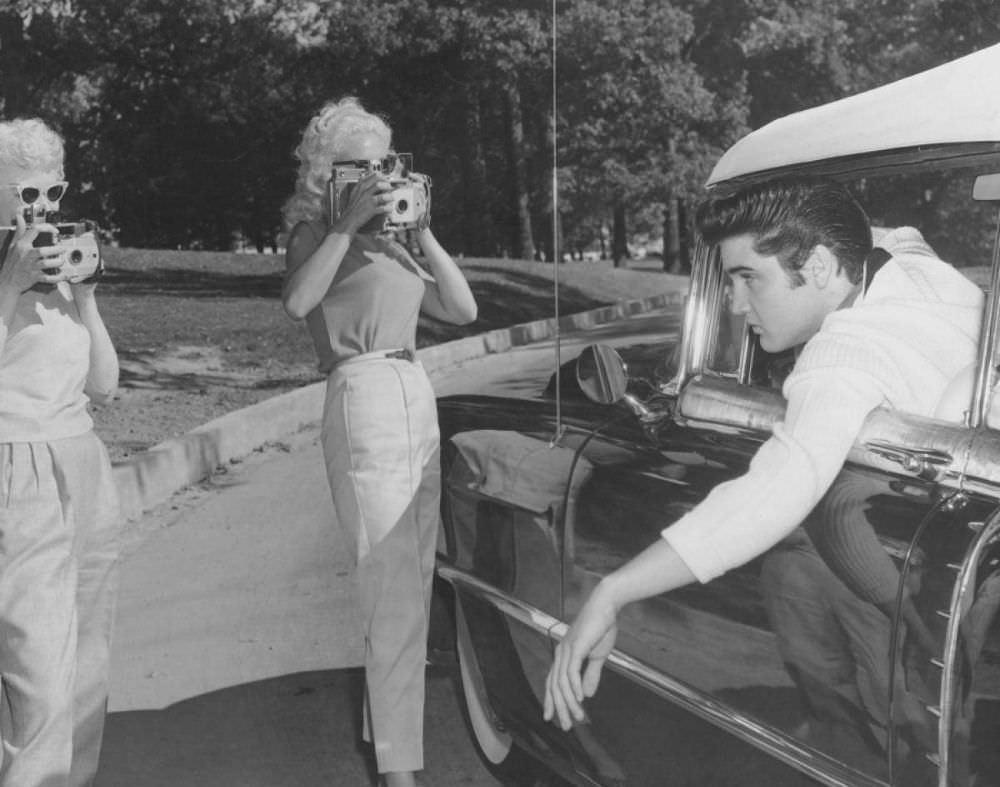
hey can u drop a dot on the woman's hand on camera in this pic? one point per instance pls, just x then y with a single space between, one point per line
369 198
25 264
424 222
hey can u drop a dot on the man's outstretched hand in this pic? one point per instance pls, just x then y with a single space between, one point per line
590 639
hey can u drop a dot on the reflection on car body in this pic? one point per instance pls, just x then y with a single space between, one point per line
864 649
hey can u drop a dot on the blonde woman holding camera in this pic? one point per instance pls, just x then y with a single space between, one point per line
58 510
361 294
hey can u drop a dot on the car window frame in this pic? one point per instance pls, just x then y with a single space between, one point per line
703 315
706 290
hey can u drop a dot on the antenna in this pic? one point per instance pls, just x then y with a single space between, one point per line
556 253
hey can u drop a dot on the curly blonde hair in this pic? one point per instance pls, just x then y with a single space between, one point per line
30 144
324 141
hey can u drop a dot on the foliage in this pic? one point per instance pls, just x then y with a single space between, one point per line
186 136
638 119
181 116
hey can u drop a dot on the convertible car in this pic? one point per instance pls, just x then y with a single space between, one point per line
790 670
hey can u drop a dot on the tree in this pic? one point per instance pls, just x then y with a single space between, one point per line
522 241
29 74
639 124
181 116
193 101
444 73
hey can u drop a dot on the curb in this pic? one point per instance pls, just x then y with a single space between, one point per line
152 477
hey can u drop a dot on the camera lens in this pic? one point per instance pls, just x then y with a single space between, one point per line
401 206
76 256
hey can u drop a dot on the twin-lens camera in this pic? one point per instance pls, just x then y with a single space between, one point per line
410 191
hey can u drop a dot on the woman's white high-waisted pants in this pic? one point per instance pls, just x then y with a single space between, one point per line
381 445
59 550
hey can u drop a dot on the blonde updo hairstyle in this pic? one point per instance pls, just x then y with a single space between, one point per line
324 141
30 144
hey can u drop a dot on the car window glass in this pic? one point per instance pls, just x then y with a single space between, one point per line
730 329
734 350
961 231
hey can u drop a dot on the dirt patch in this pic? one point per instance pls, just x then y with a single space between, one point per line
200 334
169 393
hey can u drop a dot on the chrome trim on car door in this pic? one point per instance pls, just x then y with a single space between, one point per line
962 596
745 728
924 463
889 441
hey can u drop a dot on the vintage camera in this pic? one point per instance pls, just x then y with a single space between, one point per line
410 197
79 256
80 253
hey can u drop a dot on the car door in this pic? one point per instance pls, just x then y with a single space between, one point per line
960 597
826 650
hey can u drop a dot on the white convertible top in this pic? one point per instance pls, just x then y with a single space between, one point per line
955 103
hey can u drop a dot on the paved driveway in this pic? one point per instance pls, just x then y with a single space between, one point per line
237 654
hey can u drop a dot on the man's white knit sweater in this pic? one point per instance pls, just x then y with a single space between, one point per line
899 345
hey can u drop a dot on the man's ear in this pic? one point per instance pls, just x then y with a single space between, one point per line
822 266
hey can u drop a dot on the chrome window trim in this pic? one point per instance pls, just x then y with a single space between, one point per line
747 353
926 158
985 368
762 736
981 474
694 325
962 596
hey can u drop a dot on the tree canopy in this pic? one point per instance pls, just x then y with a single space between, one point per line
181 115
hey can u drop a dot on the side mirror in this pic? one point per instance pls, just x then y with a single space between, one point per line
602 374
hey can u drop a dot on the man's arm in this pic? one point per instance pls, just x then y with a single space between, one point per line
788 476
738 521
102 374
655 570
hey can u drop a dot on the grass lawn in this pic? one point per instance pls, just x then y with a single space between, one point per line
202 333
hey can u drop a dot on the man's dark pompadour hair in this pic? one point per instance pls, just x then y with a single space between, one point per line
790 218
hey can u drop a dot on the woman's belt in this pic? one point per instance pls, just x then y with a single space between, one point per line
375 355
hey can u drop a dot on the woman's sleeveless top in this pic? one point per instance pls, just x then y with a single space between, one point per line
372 304
43 369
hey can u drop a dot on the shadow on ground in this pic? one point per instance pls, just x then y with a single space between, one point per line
504 299
191 283
512 296
197 367
300 730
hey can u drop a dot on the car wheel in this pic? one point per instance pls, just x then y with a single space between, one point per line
508 763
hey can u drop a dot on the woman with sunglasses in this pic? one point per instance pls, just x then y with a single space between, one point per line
58 509
361 294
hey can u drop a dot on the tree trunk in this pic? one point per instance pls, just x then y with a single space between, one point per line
672 237
684 230
13 70
619 236
545 170
676 250
523 241
476 235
